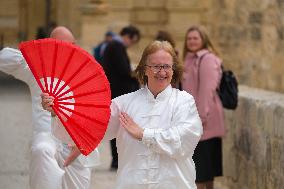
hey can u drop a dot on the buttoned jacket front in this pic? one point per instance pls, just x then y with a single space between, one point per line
172 128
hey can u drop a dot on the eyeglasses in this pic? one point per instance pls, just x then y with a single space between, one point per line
158 68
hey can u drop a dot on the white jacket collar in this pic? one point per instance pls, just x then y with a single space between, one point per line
161 96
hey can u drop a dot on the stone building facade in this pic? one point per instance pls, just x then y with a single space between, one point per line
20 19
248 34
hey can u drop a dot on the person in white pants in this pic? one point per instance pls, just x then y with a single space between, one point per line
157 127
54 164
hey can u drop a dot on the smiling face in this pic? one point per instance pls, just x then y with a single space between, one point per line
158 81
194 41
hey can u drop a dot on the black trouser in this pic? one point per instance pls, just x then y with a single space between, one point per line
114 162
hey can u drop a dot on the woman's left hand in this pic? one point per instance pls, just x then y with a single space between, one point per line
131 127
74 153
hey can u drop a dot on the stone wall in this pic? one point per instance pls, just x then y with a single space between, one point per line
249 35
253 147
8 21
19 19
67 13
97 18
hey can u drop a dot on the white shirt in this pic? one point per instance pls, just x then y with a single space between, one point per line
12 62
163 159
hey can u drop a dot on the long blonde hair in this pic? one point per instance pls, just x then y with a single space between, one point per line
206 42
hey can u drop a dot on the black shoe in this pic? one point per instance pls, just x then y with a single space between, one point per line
114 164
113 168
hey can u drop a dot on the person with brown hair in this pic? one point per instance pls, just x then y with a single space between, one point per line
163 35
201 78
157 127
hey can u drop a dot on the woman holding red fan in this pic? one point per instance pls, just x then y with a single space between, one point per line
157 127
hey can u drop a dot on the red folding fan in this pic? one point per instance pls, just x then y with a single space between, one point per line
78 84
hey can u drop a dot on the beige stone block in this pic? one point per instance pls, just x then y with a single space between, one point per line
282 82
230 5
9 8
229 150
157 3
119 19
150 31
94 28
178 23
10 37
149 16
270 40
9 22
183 4
68 13
252 150
140 4
149 4
268 120
257 5
278 120
121 4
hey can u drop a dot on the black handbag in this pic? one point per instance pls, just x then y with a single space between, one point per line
228 88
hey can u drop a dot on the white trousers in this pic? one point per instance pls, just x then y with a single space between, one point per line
46 166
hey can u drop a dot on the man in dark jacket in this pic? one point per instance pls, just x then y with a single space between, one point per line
98 51
117 67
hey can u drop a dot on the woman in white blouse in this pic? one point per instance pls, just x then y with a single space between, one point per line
157 127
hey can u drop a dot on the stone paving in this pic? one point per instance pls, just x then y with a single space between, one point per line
102 177
15 138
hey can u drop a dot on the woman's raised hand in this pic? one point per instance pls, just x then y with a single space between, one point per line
131 127
47 102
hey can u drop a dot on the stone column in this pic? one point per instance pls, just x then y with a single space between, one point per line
182 14
67 13
9 18
149 16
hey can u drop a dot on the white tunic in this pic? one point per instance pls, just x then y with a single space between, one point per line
47 153
163 159
13 63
